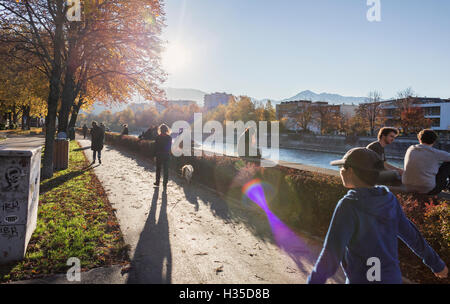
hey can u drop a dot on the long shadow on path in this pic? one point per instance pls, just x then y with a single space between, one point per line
152 261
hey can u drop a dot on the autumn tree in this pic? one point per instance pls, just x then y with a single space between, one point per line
370 110
405 108
413 120
115 48
305 116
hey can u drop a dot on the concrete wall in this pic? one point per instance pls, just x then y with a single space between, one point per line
341 144
19 197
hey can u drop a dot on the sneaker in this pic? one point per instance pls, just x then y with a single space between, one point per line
100 161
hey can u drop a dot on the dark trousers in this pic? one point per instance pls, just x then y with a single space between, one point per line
99 154
164 163
441 178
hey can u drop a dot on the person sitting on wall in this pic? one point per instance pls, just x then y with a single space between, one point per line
124 130
427 169
365 228
390 174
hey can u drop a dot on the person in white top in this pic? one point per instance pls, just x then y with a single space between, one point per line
427 169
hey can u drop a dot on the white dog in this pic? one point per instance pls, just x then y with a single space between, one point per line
187 171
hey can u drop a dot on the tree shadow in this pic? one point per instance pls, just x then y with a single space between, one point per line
81 149
152 261
50 184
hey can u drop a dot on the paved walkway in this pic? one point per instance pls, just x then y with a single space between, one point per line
190 234
19 143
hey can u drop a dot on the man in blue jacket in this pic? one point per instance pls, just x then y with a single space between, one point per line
364 231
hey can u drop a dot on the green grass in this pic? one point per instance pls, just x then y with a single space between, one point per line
75 219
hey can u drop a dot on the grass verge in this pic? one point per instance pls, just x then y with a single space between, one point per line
75 219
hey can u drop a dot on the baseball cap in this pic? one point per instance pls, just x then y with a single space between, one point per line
360 158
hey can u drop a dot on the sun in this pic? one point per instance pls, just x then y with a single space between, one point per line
176 57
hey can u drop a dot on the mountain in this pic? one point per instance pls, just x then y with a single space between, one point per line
185 94
331 98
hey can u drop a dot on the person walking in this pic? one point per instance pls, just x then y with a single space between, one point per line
427 169
163 146
97 136
365 228
85 131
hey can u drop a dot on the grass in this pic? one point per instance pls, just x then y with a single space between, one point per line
75 219
20 132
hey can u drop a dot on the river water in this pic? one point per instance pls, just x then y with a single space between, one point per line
306 157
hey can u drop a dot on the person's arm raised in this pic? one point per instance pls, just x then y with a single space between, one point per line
411 236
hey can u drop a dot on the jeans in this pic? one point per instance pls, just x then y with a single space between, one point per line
441 178
99 154
164 163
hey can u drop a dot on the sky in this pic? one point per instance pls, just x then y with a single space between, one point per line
275 49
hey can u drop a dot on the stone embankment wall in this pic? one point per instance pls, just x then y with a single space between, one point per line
341 144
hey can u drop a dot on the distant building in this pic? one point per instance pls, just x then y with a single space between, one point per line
435 109
181 103
212 101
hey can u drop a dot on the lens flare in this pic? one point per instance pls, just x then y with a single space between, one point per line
285 238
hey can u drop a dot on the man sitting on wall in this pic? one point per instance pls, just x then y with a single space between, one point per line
390 174
427 170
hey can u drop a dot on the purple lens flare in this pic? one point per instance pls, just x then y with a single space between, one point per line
285 238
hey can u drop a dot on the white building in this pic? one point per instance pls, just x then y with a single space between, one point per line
436 109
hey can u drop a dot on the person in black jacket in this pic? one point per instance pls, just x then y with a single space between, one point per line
163 145
97 135
85 130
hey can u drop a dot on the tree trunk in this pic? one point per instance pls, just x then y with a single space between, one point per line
75 109
53 97
69 91
25 117
15 114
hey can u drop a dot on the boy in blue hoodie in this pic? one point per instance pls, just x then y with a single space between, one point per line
364 231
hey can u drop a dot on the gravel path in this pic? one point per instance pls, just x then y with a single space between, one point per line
190 234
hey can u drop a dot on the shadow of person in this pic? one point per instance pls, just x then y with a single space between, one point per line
152 261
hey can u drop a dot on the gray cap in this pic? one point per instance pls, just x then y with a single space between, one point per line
360 158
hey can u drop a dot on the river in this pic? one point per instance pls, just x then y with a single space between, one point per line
306 157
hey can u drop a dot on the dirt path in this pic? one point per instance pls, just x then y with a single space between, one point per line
190 234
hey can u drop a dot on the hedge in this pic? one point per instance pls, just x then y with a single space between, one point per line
306 200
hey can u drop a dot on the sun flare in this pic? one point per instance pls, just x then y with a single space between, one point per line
176 57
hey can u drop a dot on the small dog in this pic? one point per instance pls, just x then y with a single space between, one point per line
186 172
